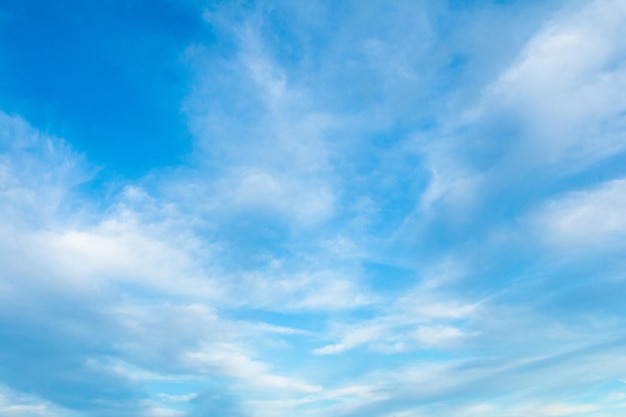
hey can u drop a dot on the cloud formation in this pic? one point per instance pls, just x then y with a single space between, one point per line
385 210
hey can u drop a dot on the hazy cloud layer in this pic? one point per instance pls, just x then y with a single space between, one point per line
406 209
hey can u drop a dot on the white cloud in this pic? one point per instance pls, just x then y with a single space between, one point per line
568 88
192 343
557 410
271 79
140 268
307 202
501 387
37 174
593 218
356 336
558 109
437 335
164 412
419 319
322 290
16 404
92 259
233 361
277 161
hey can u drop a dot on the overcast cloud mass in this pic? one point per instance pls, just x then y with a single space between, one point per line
312 208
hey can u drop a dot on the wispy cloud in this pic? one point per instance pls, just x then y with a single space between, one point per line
591 218
388 210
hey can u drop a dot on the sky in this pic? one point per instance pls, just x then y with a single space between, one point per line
401 208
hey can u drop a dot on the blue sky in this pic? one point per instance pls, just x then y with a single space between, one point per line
270 209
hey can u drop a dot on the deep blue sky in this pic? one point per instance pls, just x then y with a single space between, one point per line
275 209
108 76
